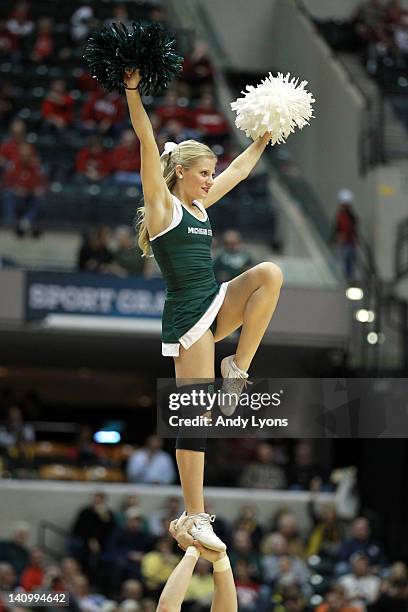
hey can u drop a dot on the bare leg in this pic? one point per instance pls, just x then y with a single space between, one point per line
196 363
191 470
250 301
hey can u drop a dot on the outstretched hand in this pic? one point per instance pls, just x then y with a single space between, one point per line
131 77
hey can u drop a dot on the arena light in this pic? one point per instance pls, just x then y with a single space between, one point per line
365 316
372 338
107 437
354 293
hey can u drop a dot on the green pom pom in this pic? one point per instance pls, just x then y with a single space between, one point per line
148 47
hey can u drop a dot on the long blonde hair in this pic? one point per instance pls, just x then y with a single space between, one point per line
186 154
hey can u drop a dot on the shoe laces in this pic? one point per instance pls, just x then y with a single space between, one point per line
204 520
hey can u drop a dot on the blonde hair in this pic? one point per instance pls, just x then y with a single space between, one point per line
186 154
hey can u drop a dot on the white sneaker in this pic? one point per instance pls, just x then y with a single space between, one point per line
234 381
203 531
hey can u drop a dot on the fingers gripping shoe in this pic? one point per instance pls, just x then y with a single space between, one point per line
202 531
234 382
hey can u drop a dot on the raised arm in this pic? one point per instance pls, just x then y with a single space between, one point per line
155 191
237 171
177 584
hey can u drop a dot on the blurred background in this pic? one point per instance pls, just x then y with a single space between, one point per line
86 488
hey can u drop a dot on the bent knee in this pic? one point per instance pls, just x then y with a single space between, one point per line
270 274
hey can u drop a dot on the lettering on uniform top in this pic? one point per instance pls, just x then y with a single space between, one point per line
200 230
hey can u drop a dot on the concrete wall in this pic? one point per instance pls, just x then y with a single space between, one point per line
244 30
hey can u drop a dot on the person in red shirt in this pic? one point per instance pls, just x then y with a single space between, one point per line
104 113
57 107
10 148
170 108
34 574
44 44
24 188
125 159
9 44
93 162
208 121
345 231
197 68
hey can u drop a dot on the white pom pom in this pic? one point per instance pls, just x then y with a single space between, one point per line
277 105
168 148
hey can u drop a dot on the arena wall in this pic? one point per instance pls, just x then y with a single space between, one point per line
58 502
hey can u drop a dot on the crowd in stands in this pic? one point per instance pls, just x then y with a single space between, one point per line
378 31
81 133
118 559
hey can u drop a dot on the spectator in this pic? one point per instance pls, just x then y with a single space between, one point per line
57 108
336 601
84 598
303 470
130 501
394 595
170 108
81 22
44 46
277 560
126 548
131 591
288 526
327 534
104 114
91 529
151 464
94 253
14 432
401 39
93 162
120 15
24 189
345 232
33 575
175 131
197 68
125 160
10 148
8 578
360 541
396 12
86 452
243 550
6 104
158 564
9 44
261 472
127 256
15 551
20 23
247 521
232 259
70 569
208 120
247 588
160 519
292 599
370 22
201 587
361 587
